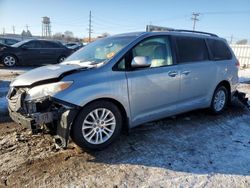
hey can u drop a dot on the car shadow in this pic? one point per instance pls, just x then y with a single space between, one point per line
194 142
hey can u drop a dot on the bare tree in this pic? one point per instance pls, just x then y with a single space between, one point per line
69 35
58 36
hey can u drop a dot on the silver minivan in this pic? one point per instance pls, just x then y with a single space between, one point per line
122 81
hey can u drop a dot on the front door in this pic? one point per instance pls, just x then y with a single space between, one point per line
153 91
30 53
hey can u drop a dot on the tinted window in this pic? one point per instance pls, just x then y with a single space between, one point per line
33 44
156 49
191 49
10 41
70 44
47 44
219 50
2 41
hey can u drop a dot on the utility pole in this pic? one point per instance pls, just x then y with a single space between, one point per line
90 26
27 27
195 19
3 30
13 29
231 39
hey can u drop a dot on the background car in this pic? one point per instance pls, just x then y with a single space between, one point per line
74 46
34 52
8 41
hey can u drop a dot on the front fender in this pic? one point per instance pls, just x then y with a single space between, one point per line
95 86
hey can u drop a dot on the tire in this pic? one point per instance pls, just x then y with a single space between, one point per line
9 60
61 59
219 100
87 132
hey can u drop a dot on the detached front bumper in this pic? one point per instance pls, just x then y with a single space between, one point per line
21 120
56 115
33 121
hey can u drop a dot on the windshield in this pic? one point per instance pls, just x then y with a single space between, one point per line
19 43
100 50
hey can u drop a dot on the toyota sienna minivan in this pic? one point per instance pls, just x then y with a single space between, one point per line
122 81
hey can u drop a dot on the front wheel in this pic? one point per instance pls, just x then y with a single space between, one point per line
97 125
219 101
9 60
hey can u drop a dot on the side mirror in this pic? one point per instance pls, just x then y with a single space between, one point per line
141 62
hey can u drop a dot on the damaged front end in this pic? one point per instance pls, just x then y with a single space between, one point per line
41 113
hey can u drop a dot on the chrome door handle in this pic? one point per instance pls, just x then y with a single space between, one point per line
185 72
172 73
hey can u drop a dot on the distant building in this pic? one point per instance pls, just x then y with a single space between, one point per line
23 36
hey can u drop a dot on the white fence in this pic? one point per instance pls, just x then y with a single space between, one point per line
242 53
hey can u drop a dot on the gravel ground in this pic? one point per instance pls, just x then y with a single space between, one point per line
194 149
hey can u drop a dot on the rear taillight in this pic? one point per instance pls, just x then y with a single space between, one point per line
237 64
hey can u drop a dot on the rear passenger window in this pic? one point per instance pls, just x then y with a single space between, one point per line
191 49
33 44
47 44
219 50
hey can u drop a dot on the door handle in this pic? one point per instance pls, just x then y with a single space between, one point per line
172 73
185 72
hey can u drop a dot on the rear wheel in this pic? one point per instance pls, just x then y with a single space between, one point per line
9 60
97 125
220 100
61 59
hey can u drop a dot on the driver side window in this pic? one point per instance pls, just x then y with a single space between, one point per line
156 49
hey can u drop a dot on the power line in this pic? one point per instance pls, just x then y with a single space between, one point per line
195 19
228 12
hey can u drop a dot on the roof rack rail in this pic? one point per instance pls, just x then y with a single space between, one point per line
190 31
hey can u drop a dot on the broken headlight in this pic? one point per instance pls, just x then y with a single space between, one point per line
47 90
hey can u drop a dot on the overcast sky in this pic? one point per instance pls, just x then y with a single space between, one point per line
223 17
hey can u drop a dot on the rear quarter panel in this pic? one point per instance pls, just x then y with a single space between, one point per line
226 70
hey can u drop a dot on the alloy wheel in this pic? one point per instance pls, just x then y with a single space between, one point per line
219 100
98 126
61 59
9 61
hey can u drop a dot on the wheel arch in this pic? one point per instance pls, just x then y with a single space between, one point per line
227 85
122 109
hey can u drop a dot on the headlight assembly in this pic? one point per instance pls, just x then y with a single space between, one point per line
47 90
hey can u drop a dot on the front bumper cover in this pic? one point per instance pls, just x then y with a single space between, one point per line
61 120
22 120
33 121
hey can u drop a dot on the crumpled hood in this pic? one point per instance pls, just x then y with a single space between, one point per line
44 73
